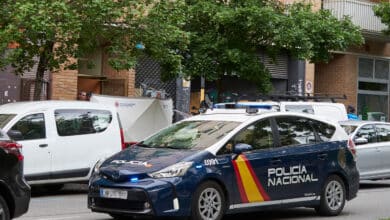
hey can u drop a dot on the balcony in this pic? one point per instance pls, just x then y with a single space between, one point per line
361 13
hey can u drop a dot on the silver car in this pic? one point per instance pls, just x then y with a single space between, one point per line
372 140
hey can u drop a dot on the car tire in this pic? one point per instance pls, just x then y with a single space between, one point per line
333 197
4 211
208 202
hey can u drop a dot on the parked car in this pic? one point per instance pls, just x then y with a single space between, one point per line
328 110
62 140
227 161
372 140
14 191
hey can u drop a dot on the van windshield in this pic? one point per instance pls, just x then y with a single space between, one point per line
194 135
5 118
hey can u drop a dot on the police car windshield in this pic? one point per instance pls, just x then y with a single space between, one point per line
192 135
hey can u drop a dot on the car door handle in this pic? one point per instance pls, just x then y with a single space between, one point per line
322 156
43 145
275 161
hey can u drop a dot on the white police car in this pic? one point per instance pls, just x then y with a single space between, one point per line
227 161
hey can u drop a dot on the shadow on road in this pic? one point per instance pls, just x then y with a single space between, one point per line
367 184
52 190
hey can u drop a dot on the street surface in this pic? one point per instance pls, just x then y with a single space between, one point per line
372 203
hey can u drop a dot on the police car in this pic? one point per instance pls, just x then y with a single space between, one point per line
227 161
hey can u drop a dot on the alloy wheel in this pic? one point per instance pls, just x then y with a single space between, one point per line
210 204
334 195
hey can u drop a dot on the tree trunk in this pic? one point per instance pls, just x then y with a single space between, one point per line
42 67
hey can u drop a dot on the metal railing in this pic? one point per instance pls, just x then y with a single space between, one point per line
360 11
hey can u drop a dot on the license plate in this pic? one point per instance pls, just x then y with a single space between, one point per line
113 193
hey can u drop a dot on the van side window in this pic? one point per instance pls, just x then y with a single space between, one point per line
300 108
31 127
367 132
383 132
81 121
325 131
295 131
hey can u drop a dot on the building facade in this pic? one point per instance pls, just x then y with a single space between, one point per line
362 73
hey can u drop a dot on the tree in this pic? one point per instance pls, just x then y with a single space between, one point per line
382 10
225 37
52 32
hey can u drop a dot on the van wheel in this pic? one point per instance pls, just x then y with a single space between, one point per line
332 197
4 212
208 202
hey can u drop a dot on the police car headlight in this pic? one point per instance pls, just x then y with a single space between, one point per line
96 168
175 170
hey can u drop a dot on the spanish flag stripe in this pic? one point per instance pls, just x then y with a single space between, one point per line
244 199
254 176
251 189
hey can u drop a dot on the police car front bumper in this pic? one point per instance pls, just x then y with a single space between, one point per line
149 197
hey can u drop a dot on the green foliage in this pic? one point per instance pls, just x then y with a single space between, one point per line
187 37
225 37
383 12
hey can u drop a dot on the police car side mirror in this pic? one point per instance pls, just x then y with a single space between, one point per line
361 140
241 148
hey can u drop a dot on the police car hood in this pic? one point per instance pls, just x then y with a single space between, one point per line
141 161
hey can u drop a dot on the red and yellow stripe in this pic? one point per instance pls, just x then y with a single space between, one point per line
249 186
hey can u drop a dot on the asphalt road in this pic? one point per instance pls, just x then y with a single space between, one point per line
372 203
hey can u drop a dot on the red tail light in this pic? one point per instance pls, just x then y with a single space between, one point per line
351 147
122 139
12 148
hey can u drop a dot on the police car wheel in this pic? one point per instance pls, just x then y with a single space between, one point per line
208 202
332 197
4 212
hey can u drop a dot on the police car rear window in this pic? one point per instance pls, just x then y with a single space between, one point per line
325 131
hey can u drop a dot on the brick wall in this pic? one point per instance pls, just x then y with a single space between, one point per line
127 75
339 76
64 85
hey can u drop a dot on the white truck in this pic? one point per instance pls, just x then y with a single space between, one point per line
140 117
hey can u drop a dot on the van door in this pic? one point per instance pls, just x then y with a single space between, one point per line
37 158
83 137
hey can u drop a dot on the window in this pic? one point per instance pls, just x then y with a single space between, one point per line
81 121
300 108
191 135
295 131
31 127
258 135
383 132
367 132
5 118
325 131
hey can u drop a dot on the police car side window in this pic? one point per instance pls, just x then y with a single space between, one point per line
295 131
325 131
258 135
368 132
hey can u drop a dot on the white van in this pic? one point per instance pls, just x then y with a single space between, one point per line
62 140
327 110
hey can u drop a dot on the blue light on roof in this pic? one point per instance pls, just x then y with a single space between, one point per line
134 179
198 166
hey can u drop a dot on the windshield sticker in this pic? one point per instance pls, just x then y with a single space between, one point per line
292 175
132 162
